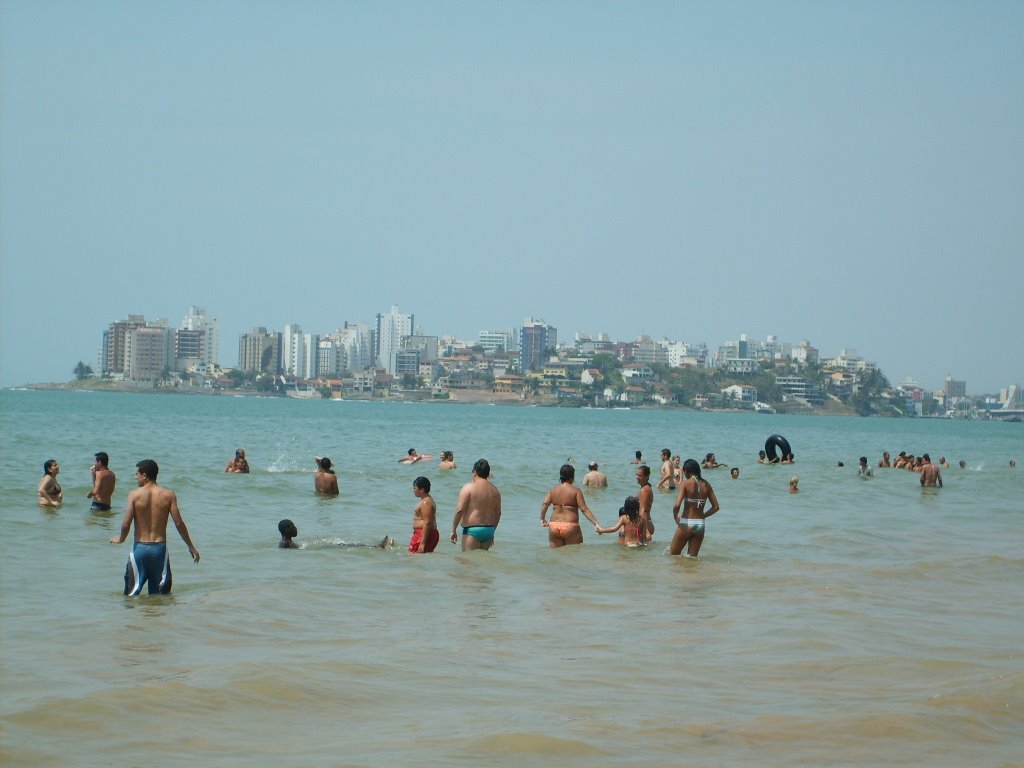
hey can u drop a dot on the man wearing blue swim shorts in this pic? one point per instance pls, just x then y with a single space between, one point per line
149 506
478 510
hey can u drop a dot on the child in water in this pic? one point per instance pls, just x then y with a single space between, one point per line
629 524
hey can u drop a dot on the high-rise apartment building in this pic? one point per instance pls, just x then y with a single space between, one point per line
391 328
115 341
260 351
299 352
198 319
147 353
535 338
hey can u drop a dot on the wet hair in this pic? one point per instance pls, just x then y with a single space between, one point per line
761 454
325 464
645 469
926 457
592 465
691 467
708 457
863 459
47 464
239 452
148 468
284 525
639 454
102 458
631 508
422 483
567 473
412 451
666 451
481 468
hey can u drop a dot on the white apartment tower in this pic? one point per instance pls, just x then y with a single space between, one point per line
299 352
198 319
391 328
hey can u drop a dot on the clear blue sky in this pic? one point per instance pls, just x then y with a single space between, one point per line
851 173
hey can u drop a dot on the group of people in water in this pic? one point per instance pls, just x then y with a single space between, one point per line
477 510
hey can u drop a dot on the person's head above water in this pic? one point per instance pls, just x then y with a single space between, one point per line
325 463
287 528
630 507
482 468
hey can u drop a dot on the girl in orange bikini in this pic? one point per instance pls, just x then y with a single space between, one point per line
568 501
630 525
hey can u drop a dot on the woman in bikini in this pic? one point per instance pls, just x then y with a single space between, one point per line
630 525
50 493
567 500
694 494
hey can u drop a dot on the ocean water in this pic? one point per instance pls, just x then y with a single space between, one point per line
859 622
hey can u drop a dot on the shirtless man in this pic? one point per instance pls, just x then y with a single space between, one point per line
930 475
238 464
288 532
564 526
149 506
668 480
638 458
325 481
50 493
646 497
478 509
424 519
885 462
595 477
103 481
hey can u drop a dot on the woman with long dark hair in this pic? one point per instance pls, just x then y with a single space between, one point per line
689 510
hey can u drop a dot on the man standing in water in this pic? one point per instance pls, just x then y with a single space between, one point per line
930 475
646 497
668 479
325 481
595 477
103 481
478 509
149 506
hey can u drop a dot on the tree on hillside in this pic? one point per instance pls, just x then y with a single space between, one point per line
82 371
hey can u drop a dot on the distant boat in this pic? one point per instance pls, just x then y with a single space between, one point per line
763 408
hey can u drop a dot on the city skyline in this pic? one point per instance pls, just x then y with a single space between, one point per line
850 174
289 362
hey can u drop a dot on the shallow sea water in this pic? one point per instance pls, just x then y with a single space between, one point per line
860 622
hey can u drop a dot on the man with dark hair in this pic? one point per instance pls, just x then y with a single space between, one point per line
478 509
930 475
288 532
149 506
103 481
325 481
668 478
